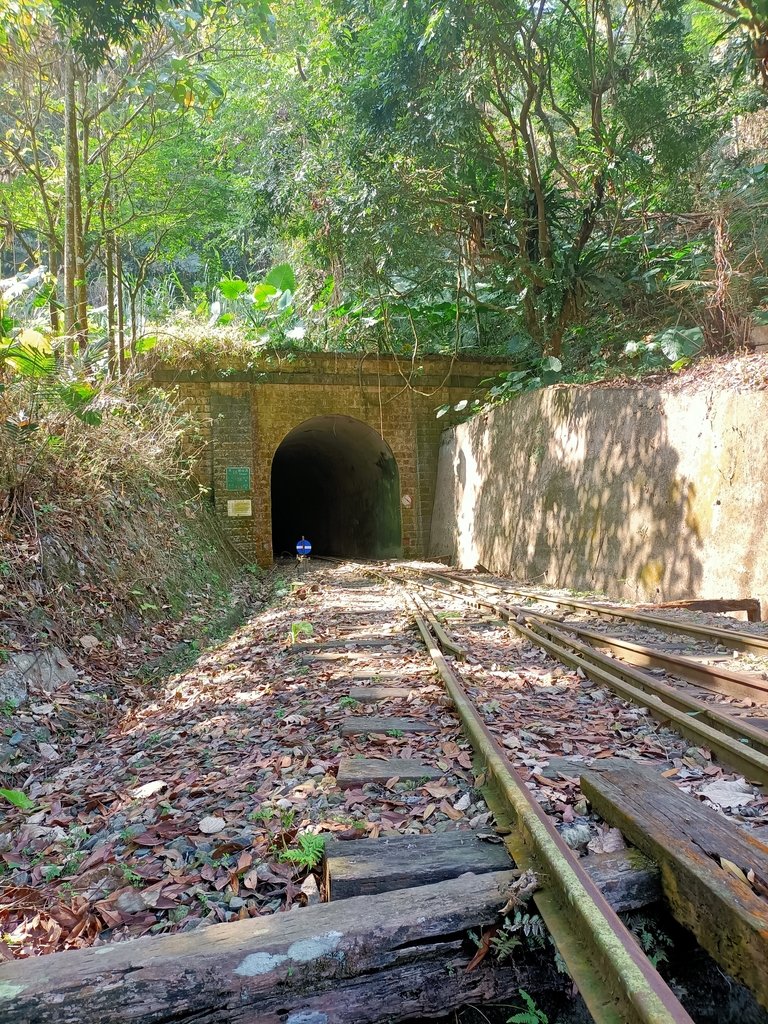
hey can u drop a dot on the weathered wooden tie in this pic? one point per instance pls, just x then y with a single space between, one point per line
700 854
357 725
358 771
350 644
374 694
376 958
375 674
750 605
368 866
628 880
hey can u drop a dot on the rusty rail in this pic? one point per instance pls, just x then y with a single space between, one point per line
734 741
616 980
737 640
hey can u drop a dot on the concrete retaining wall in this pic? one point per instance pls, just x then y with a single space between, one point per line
637 493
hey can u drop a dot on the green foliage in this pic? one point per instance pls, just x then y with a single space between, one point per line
653 940
308 853
95 25
574 190
17 798
531 1014
299 629
130 877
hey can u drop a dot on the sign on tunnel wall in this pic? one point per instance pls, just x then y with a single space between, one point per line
239 507
238 478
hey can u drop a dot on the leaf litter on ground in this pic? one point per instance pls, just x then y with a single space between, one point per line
180 806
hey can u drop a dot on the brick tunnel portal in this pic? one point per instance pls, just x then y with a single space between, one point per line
335 481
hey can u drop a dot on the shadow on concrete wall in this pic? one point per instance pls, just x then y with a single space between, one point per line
560 488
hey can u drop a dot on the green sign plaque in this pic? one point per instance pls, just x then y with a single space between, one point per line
238 478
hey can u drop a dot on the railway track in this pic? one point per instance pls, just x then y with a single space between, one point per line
736 743
615 978
486 650
740 743
613 975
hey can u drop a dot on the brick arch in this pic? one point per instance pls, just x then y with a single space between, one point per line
276 416
245 414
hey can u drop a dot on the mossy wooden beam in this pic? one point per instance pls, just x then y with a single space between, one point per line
696 849
360 961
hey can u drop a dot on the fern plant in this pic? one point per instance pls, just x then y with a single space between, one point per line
308 853
507 938
531 1014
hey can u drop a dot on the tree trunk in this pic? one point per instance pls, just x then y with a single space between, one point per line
109 243
70 127
119 297
53 267
76 315
134 296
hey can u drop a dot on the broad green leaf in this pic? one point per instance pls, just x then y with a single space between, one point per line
677 342
282 278
17 798
232 287
147 343
263 294
285 300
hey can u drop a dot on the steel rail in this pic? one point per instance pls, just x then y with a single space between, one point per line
711 677
735 639
444 640
614 977
737 743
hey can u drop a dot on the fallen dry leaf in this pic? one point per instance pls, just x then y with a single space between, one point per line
211 825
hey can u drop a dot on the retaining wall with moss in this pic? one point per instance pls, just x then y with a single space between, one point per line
641 494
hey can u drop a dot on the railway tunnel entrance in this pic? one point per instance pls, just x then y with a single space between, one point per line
335 481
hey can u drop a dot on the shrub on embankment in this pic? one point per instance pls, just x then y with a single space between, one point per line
102 532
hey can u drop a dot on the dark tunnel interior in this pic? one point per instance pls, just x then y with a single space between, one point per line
336 482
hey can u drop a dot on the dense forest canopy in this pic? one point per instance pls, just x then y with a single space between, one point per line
572 183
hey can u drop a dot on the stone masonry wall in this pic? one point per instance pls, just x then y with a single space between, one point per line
241 418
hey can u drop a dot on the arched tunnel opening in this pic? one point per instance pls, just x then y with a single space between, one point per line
336 482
